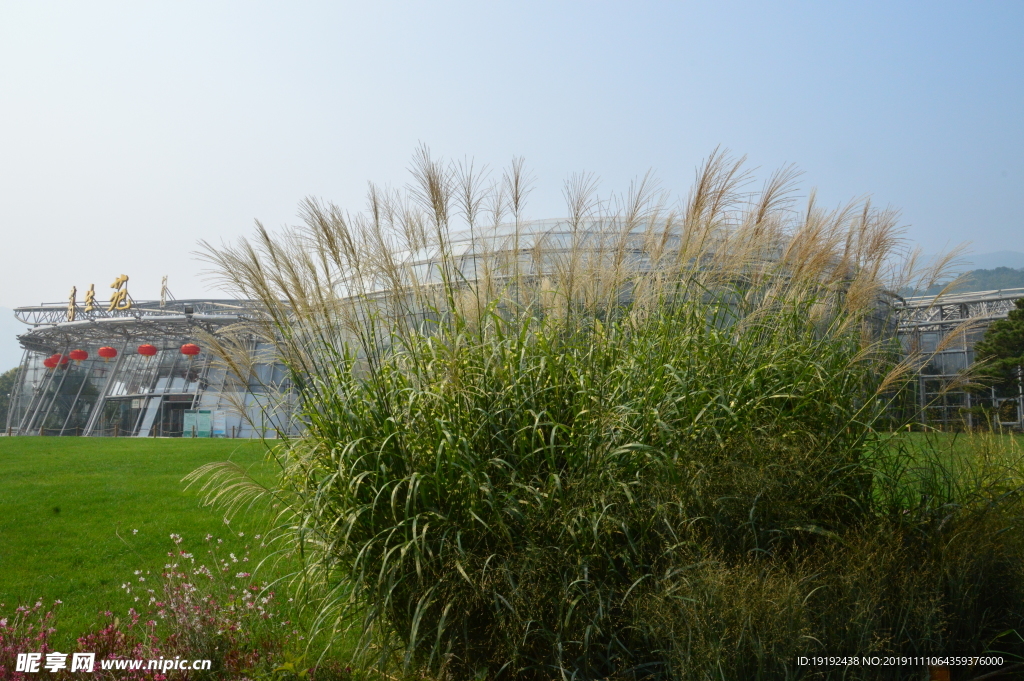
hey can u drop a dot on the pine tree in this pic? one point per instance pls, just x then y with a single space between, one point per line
1002 349
6 387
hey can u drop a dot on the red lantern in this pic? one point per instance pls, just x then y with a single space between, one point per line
78 356
190 349
147 350
50 363
63 359
107 352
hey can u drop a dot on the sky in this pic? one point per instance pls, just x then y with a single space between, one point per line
130 131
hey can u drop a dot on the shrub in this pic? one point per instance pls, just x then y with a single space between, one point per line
27 630
643 447
936 567
124 639
209 608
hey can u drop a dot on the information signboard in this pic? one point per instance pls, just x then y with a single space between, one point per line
197 423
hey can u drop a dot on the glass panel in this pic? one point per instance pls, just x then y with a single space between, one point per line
954 362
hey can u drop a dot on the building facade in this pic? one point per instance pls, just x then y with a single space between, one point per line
142 370
945 330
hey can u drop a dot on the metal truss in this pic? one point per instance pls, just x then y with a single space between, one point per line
940 330
943 330
953 309
57 401
175 322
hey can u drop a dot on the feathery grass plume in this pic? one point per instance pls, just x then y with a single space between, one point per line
638 441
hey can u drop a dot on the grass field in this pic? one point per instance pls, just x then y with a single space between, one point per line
69 508
1008 446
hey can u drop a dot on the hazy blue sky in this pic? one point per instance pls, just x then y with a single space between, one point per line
128 131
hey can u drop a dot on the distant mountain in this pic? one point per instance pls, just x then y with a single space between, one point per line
982 272
10 351
982 280
997 260
990 280
978 261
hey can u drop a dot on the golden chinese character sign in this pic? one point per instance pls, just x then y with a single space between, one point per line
90 298
72 303
119 299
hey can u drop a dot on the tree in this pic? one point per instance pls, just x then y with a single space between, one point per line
1002 350
6 388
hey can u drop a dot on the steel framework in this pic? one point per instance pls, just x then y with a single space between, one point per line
944 330
135 394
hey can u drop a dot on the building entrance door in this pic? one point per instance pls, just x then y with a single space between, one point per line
172 421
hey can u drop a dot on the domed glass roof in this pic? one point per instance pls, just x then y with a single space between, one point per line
534 248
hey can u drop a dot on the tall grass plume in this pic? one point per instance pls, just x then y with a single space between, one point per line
639 441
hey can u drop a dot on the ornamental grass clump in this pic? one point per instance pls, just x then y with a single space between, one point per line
636 442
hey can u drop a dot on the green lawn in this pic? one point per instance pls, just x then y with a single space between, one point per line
1009 445
69 508
104 489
